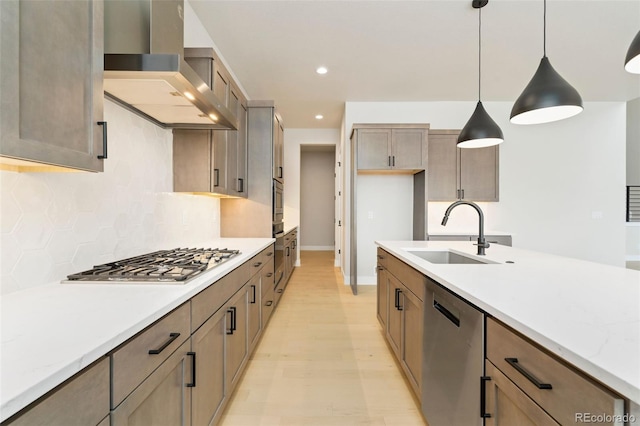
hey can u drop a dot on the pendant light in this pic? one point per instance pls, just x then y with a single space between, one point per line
632 62
548 97
480 131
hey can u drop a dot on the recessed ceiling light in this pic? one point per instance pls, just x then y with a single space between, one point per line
322 70
319 117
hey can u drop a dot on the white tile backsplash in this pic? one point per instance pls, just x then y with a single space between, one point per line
55 224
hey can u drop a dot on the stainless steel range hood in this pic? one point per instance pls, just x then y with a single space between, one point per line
145 70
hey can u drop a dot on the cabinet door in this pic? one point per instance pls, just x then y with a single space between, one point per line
163 398
52 71
192 160
219 175
209 392
83 400
479 173
278 148
442 169
383 297
412 350
407 148
221 83
508 405
236 349
241 183
394 328
374 149
255 303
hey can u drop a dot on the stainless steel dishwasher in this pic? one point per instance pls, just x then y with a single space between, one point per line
453 360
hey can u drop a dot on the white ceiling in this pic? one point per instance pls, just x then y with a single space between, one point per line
427 50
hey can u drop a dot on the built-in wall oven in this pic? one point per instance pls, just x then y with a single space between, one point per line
278 230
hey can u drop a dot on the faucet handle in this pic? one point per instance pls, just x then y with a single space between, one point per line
482 244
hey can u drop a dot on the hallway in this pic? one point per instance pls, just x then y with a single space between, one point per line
322 359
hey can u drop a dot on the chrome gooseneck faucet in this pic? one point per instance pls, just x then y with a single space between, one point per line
482 244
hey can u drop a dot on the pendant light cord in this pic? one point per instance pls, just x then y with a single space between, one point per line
544 30
479 51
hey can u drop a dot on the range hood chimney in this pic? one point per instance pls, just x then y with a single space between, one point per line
145 70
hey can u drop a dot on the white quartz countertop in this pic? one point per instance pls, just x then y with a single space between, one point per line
51 332
586 313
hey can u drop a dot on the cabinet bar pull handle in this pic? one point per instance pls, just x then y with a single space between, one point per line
193 366
232 311
216 177
462 190
514 363
269 303
380 268
389 161
393 161
253 295
104 140
397 299
280 290
447 313
240 187
172 337
280 172
483 397
269 274
380 256
257 264
288 251
270 253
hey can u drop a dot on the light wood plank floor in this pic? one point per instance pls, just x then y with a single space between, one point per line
322 359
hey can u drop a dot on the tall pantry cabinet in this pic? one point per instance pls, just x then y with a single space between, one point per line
265 141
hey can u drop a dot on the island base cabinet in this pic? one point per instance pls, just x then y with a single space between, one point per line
506 404
209 393
394 326
561 391
83 400
164 398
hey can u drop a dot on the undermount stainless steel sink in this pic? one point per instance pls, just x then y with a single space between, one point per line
446 257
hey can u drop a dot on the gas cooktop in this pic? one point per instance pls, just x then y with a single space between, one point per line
166 266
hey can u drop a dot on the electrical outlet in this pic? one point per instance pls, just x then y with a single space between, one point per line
370 215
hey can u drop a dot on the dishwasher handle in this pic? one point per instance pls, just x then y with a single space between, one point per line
447 313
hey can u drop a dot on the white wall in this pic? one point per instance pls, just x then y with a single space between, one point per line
55 224
561 184
293 139
317 205
633 142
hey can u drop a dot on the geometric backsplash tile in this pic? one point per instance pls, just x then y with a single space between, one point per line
55 224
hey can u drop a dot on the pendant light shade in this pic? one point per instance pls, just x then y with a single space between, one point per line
632 61
548 97
480 131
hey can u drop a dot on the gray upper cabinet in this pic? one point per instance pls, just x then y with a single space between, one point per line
51 71
213 161
454 173
389 147
278 148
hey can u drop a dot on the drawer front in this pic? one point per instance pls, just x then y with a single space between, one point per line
570 392
408 276
268 277
268 303
268 256
383 257
209 300
255 264
133 362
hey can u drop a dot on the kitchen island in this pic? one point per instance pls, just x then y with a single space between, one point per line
584 313
52 332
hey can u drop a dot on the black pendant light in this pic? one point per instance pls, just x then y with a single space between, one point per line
480 131
548 97
632 61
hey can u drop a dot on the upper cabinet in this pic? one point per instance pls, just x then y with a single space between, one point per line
52 99
391 147
455 173
213 161
278 148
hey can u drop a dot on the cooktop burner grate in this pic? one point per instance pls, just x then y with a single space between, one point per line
176 265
